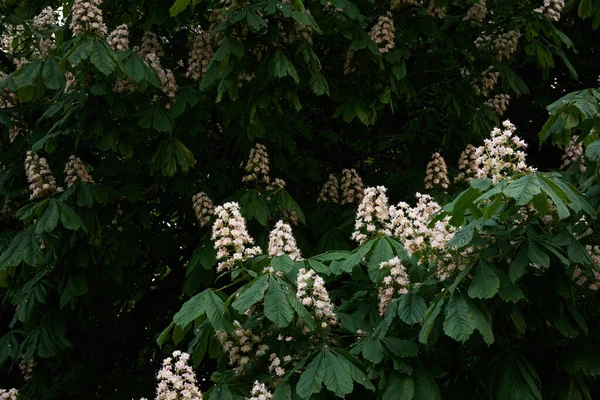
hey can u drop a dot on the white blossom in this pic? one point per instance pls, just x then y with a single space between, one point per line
372 217
203 208
75 171
282 241
436 173
177 380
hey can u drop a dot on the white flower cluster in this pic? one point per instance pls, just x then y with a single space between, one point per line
436 173
372 217
203 208
41 180
313 294
119 38
398 3
486 82
200 54
574 154
7 98
506 44
75 171
231 237
466 164
260 392
502 155
552 9
242 346
383 33
26 368
282 241
177 380
330 193
87 17
71 81
275 366
395 284
11 394
45 46
499 103
44 21
352 186
592 282
476 14
150 45
166 76
433 11
276 185
257 165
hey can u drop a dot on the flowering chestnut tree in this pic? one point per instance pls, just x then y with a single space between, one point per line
287 199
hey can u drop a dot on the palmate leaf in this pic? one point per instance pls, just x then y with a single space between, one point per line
430 317
523 189
459 323
337 379
411 308
102 58
277 307
25 247
311 379
49 218
485 283
399 387
253 293
191 309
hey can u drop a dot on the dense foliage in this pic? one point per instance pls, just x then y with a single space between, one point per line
140 214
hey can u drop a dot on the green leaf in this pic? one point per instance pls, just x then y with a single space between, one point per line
585 9
318 84
430 317
537 256
400 347
220 392
253 293
337 379
28 75
311 379
49 219
53 78
523 189
179 6
482 323
382 252
348 361
277 307
69 218
425 386
459 323
509 291
354 259
399 388
25 247
215 309
9 347
102 59
134 67
283 391
411 308
372 350
464 236
283 263
172 155
592 151
485 283
190 310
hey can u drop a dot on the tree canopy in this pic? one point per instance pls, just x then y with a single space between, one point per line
217 177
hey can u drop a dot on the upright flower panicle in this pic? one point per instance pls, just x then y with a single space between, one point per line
7 98
551 9
499 103
200 54
177 380
574 154
41 180
466 164
282 241
257 166
383 33
394 284
241 345
203 208
502 155
436 173
506 44
150 45
166 76
330 193
373 215
11 394
592 281
352 186
486 82
260 392
44 21
87 17
75 171
313 294
26 368
231 237
476 14
119 38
